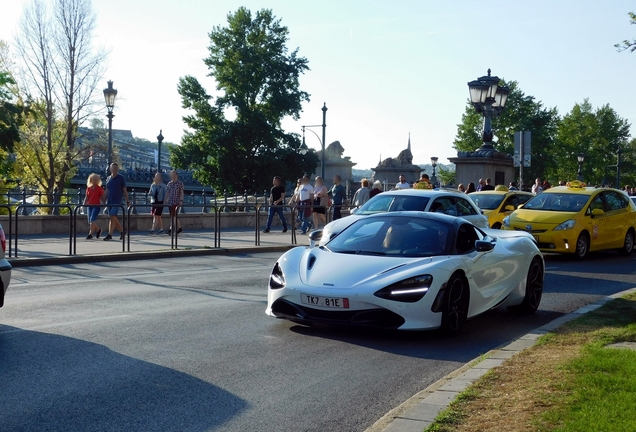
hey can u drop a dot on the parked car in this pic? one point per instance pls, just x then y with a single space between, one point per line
497 204
407 271
5 267
576 219
446 201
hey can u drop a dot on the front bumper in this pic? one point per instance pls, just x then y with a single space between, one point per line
549 240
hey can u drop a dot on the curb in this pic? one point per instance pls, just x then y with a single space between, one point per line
153 254
420 411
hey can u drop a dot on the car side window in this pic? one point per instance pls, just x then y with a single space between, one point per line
522 199
510 201
597 203
615 201
464 208
466 238
443 205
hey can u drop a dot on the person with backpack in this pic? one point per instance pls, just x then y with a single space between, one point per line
157 194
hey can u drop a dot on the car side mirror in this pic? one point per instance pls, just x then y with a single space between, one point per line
509 208
519 206
315 237
483 246
597 212
354 210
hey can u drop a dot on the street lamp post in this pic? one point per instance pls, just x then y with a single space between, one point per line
303 148
489 99
110 94
159 141
581 158
434 165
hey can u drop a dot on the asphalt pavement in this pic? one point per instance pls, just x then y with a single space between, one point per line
183 344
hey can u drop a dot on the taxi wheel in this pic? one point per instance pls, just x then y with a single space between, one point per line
628 245
582 246
496 225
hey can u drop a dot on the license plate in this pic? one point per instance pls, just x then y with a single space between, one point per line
330 302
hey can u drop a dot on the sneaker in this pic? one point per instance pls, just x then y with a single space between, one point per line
284 230
151 231
88 237
108 237
160 231
98 233
179 231
265 231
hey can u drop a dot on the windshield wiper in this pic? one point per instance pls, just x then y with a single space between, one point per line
361 252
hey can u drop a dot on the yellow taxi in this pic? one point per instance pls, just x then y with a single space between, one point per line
577 219
499 203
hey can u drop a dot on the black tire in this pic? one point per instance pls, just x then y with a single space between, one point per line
582 247
496 225
628 244
534 289
456 303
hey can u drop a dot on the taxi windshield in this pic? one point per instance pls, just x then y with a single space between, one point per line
487 201
561 202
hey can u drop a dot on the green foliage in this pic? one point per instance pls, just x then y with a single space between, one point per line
522 113
259 79
628 44
445 176
597 134
10 114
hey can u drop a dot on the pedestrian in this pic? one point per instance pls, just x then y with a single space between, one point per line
376 189
481 185
92 201
470 188
157 194
461 188
276 202
562 183
321 202
337 194
294 202
305 198
537 187
512 186
362 195
402 184
174 196
487 186
115 191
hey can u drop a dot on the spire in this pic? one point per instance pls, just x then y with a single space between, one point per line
409 146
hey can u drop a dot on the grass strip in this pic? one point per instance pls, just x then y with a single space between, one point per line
568 381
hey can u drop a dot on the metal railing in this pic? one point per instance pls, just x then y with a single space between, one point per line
174 222
124 220
53 206
8 232
257 224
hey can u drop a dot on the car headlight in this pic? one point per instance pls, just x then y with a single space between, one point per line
409 290
277 278
567 225
506 221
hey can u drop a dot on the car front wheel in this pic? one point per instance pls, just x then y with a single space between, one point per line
456 304
582 246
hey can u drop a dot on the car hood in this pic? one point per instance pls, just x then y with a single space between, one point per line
322 268
540 216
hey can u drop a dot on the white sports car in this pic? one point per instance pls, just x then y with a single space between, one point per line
407 271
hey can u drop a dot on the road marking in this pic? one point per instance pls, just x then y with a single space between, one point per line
64 324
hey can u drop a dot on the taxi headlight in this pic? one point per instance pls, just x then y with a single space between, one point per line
567 225
506 221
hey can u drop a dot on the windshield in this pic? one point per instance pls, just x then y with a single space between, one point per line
393 236
384 202
487 201
562 202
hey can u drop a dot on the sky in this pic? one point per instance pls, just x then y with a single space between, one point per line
384 68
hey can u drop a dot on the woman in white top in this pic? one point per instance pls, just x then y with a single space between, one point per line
362 195
321 201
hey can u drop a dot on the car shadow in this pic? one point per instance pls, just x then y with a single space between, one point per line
478 336
53 382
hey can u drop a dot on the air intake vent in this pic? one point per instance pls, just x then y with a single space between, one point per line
311 262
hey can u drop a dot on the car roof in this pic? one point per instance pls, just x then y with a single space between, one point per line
439 217
424 192
579 190
496 192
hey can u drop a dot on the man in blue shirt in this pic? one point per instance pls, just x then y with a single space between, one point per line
115 191
337 194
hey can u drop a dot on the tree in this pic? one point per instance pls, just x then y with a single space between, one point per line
628 44
522 113
60 71
597 134
446 176
258 78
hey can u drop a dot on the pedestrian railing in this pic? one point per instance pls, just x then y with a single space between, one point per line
51 206
119 206
257 224
7 233
174 222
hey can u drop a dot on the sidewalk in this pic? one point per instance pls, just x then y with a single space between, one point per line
39 250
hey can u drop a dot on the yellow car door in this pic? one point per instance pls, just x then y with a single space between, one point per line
618 218
598 225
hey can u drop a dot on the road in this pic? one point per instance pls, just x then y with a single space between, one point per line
184 345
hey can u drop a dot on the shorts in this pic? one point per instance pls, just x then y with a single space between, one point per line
113 210
156 211
319 210
92 212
